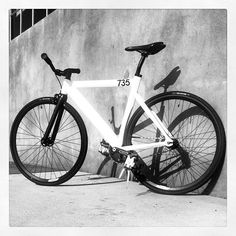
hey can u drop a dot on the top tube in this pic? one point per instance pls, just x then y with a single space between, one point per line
105 83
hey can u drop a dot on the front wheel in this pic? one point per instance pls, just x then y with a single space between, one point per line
199 133
51 164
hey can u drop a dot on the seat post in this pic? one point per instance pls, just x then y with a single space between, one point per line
140 64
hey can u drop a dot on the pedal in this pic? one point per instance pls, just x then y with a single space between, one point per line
104 148
128 176
121 173
129 164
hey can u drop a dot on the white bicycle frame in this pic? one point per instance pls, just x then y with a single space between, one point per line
71 88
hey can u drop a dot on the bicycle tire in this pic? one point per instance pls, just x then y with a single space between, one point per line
173 121
48 165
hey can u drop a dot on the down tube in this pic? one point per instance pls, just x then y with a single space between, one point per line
93 116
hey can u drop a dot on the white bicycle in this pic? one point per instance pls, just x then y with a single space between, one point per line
173 143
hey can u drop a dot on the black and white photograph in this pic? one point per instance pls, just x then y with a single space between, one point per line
118 118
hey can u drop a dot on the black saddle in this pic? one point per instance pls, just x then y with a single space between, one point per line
149 49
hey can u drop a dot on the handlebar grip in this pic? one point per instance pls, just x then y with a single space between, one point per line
74 70
45 57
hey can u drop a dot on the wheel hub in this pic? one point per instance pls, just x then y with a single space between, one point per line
47 142
175 144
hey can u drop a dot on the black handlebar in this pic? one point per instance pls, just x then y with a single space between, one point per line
67 72
45 57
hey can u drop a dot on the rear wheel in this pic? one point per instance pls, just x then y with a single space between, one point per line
199 132
52 164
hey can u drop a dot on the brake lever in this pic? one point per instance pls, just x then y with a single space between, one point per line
58 72
67 73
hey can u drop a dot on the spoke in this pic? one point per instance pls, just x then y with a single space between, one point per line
57 148
62 124
68 138
22 150
59 169
201 154
27 134
35 120
201 148
64 151
62 141
204 141
59 159
67 146
46 114
174 108
205 164
196 129
67 128
36 156
35 115
61 156
169 165
180 125
40 123
27 138
70 135
36 160
52 164
170 158
63 128
31 146
201 128
34 123
191 137
29 131
194 171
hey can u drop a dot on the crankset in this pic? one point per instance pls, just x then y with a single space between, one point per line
138 167
116 154
133 162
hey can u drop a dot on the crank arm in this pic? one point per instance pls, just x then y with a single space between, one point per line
143 172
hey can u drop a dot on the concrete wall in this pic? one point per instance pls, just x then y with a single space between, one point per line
94 40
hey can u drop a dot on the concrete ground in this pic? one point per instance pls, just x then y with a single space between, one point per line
94 200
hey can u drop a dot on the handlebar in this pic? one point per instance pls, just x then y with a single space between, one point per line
67 72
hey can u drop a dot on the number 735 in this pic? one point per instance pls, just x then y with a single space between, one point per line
123 82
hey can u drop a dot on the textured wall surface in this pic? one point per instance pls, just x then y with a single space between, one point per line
94 41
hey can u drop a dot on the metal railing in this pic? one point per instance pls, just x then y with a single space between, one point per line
18 24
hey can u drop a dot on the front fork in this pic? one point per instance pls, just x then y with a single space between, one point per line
55 120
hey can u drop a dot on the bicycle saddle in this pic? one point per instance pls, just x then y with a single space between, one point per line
149 49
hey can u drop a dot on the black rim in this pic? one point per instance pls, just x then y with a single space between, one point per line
189 122
50 163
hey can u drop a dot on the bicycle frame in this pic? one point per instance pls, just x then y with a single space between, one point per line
71 88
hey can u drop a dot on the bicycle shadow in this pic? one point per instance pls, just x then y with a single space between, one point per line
107 159
167 82
90 181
